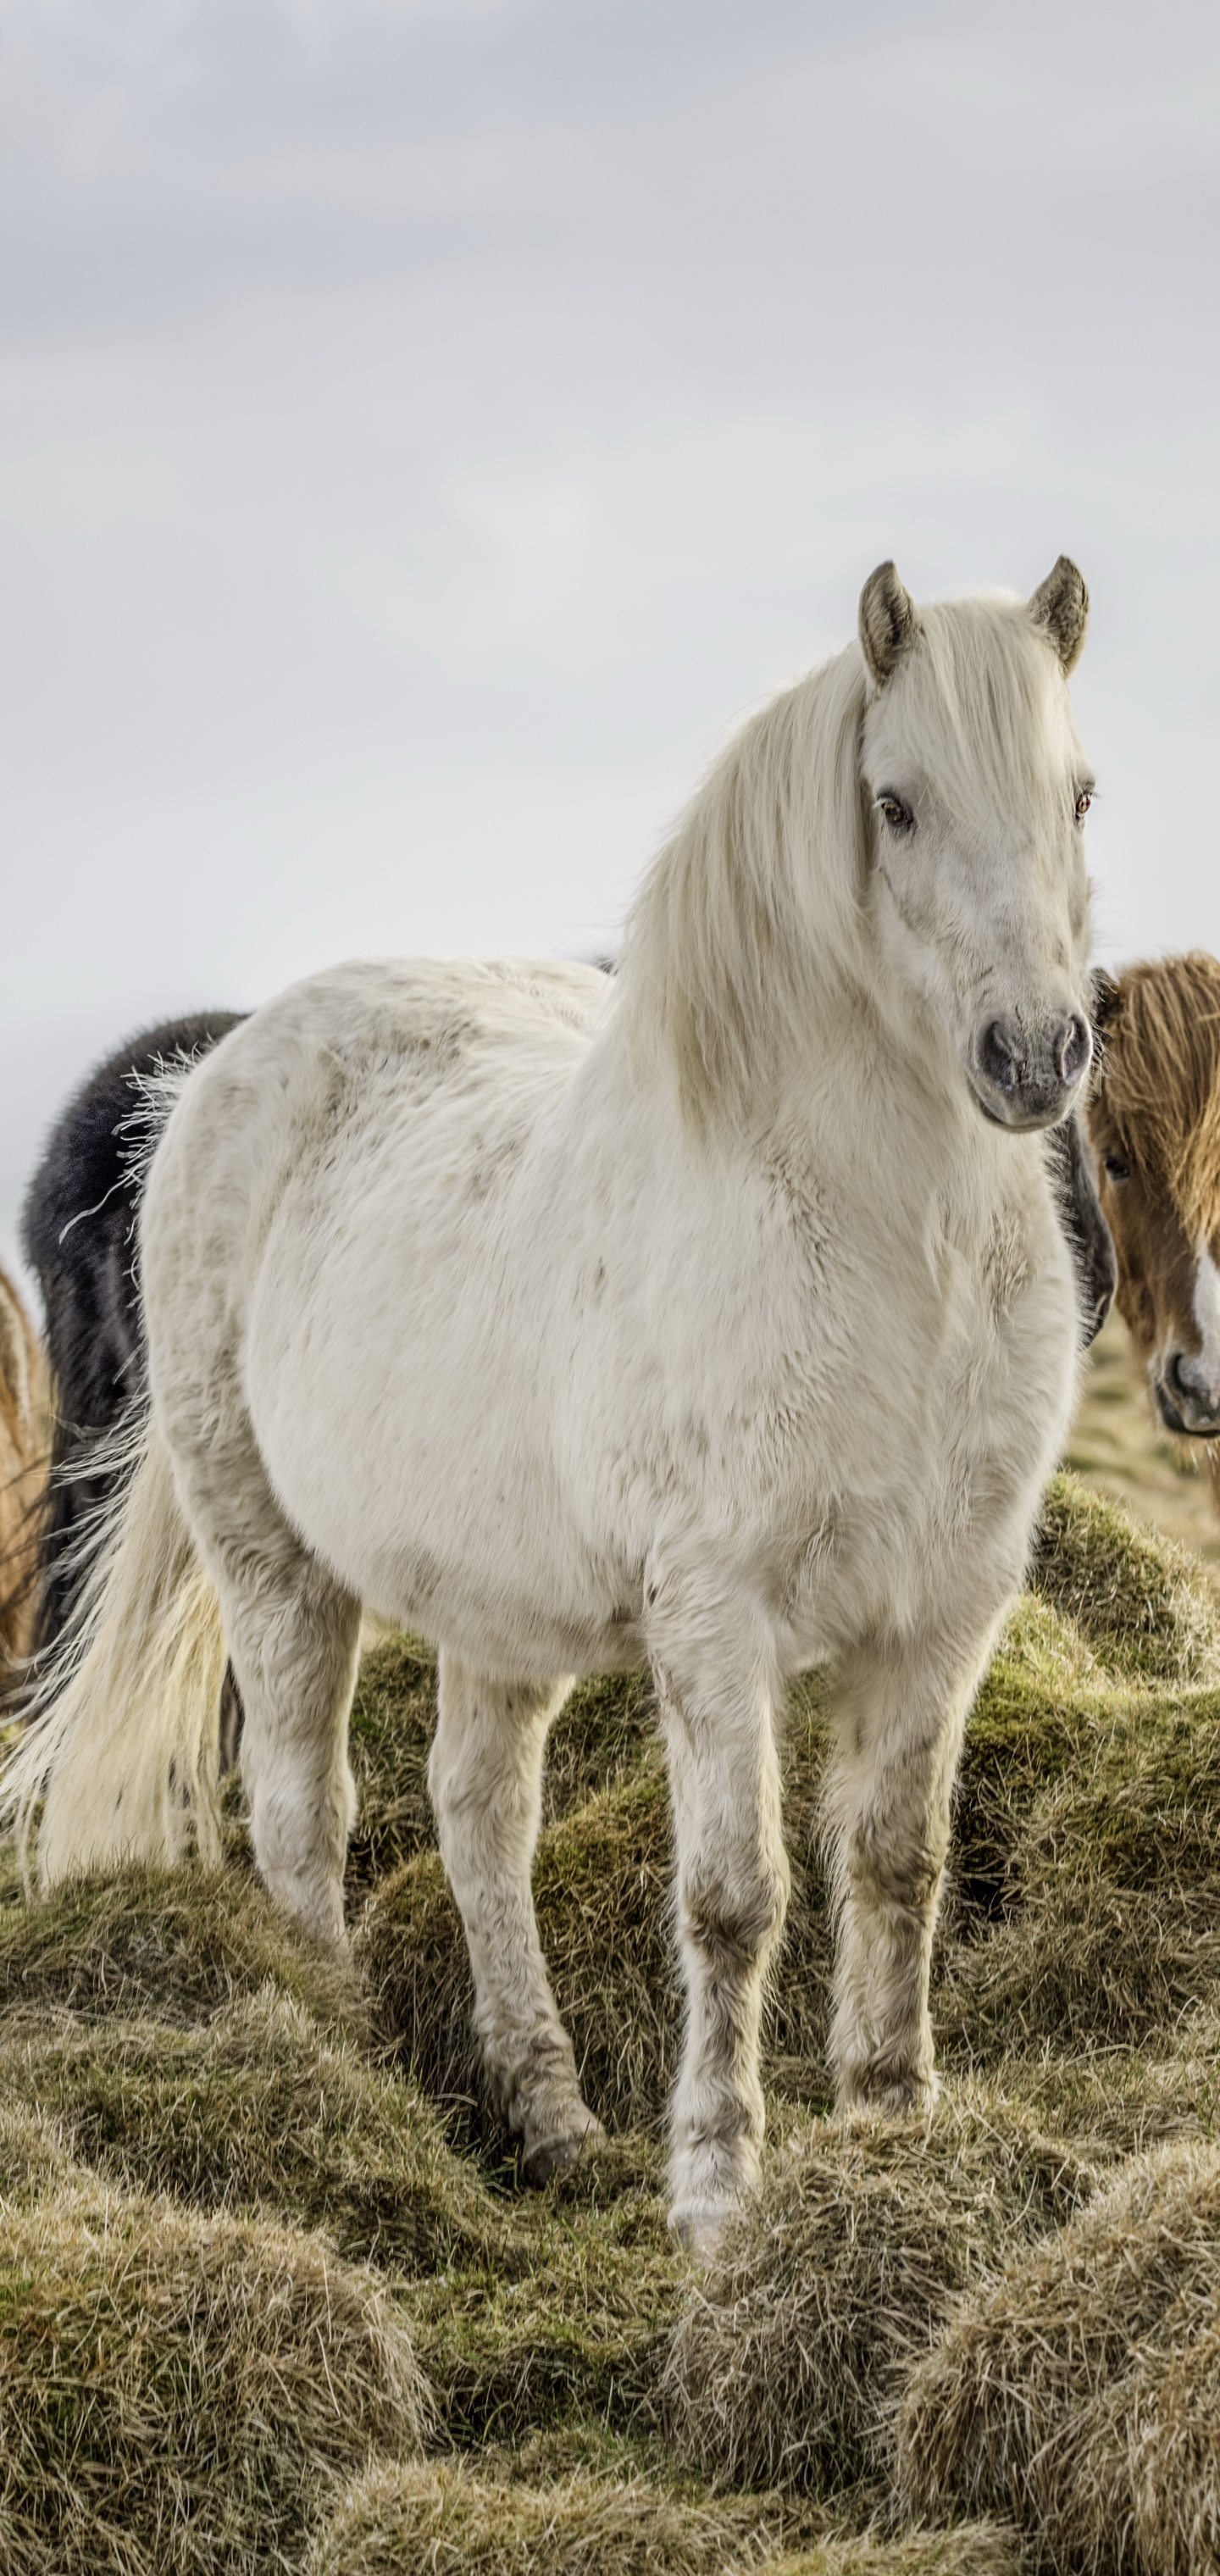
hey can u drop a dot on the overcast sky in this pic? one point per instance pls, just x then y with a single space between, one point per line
425 429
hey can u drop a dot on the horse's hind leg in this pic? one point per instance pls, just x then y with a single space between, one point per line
485 1781
293 1639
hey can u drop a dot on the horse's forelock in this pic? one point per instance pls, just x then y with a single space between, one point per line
987 708
1159 1078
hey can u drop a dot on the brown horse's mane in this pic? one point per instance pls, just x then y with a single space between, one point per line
1159 1077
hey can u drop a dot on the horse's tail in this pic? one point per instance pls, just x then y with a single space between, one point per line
122 1746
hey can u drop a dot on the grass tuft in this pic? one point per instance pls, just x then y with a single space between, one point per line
1143 1603
259 2107
453 2523
1079 2391
182 1943
784 2362
177 2393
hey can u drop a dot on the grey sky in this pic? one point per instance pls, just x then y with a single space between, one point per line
425 429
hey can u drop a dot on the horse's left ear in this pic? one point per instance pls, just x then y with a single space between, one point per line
1061 605
889 622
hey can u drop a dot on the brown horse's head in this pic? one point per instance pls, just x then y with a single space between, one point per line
1154 1121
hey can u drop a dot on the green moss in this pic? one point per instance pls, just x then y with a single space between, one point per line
569 2330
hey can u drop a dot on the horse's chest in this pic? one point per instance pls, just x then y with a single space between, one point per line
958 1396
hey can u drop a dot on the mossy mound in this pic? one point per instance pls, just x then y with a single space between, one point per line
1080 2390
177 2393
180 1943
1105 1921
1143 1604
259 2106
393 1715
601 1734
569 2327
601 1883
455 2524
784 2362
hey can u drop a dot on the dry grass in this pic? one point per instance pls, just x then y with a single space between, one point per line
784 2361
1143 1602
1106 1918
180 1944
177 2393
450 2523
259 2107
1080 2390
177 2033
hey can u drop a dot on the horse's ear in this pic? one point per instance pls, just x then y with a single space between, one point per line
1061 605
1106 999
889 622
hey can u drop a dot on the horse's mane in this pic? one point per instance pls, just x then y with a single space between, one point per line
751 919
715 950
1160 1077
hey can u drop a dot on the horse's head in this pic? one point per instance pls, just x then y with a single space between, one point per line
978 790
1154 1120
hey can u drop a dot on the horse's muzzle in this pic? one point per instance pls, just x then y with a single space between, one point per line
1025 1077
1185 1403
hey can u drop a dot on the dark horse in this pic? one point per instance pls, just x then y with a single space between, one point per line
78 1232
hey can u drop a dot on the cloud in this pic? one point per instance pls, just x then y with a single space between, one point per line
423 429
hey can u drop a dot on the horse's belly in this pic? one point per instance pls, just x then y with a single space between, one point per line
405 1412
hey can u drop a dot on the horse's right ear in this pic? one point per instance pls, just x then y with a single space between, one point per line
1060 605
1106 999
889 622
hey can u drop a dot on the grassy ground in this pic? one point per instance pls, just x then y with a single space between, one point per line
270 2297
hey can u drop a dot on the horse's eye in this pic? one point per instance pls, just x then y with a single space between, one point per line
1115 1166
1083 802
892 811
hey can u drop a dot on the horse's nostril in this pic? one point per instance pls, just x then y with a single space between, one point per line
997 1059
1074 1048
1175 1377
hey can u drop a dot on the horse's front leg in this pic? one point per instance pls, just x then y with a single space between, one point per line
902 1710
732 1892
485 1782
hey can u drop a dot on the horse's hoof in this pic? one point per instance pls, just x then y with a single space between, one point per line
699 2229
549 2156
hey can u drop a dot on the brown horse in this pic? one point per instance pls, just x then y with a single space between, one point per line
1154 1121
23 1479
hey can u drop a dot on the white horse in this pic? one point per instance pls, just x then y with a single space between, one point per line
714 1316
